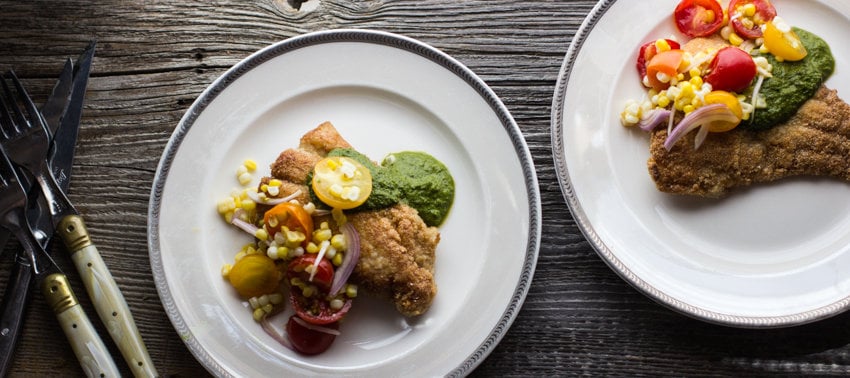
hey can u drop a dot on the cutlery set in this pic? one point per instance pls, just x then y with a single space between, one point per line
36 154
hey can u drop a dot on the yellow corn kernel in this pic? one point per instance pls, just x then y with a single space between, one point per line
680 77
312 248
275 298
735 40
351 291
661 45
261 234
338 242
663 101
688 108
250 165
225 270
308 291
323 234
239 256
249 205
748 10
245 178
258 314
275 182
696 81
337 260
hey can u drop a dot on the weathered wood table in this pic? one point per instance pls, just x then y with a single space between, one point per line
155 57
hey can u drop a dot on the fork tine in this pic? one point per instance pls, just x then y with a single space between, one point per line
23 96
6 123
15 109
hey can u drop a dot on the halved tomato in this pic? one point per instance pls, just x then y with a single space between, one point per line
747 26
666 63
649 50
316 309
291 215
341 182
698 18
322 278
782 41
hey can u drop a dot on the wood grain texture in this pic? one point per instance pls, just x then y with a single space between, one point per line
155 57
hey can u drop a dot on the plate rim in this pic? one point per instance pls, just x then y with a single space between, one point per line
386 39
581 219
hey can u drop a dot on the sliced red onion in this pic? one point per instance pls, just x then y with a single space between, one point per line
316 328
269 329
698 118
254 196
349 260
241 224
649 121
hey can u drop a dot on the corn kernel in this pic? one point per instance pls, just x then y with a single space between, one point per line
735 40
239 256
748 10
307 291
276 298
351 291
254 302
338 242
250 165
267 308
225 270
336 304
261 234
337 260
322 234
688 108
661 45
245 178
663 101
259 314
312 248
248 205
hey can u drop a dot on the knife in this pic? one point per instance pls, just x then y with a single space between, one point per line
17 296
100 285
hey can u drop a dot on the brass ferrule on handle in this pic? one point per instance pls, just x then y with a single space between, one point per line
73 232
57 292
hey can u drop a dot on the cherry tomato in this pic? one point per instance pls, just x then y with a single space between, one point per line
649 50
308 341
341 182
751 28
783 44
698 18
316 309
731 102
255 275
293 216
666 63
300 266
732 70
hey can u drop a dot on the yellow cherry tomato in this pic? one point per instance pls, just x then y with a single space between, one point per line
731 102
341 182
784 45
255 275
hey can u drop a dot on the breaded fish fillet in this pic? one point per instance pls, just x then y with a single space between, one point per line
815 141
397 249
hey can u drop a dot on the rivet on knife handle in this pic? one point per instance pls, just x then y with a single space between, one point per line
88 347
106 297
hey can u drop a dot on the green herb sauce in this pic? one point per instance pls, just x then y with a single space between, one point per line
414 178
793 83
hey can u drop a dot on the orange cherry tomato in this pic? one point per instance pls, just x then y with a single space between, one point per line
666 63
291 215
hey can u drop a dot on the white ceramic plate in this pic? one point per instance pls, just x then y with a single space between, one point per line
773 255
384 93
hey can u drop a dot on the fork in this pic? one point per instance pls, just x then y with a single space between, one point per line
90 350
27 140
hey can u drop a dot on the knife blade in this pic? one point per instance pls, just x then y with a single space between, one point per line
16 296
101 287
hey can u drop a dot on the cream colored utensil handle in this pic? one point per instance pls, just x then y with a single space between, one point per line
106 297
91 352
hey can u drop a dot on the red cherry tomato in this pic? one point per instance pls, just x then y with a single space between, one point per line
666 63
324 276
731 70
698 18
649 50
316 309
764 13
308 341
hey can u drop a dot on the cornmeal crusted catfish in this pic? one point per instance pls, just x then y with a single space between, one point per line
815 141
397 249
